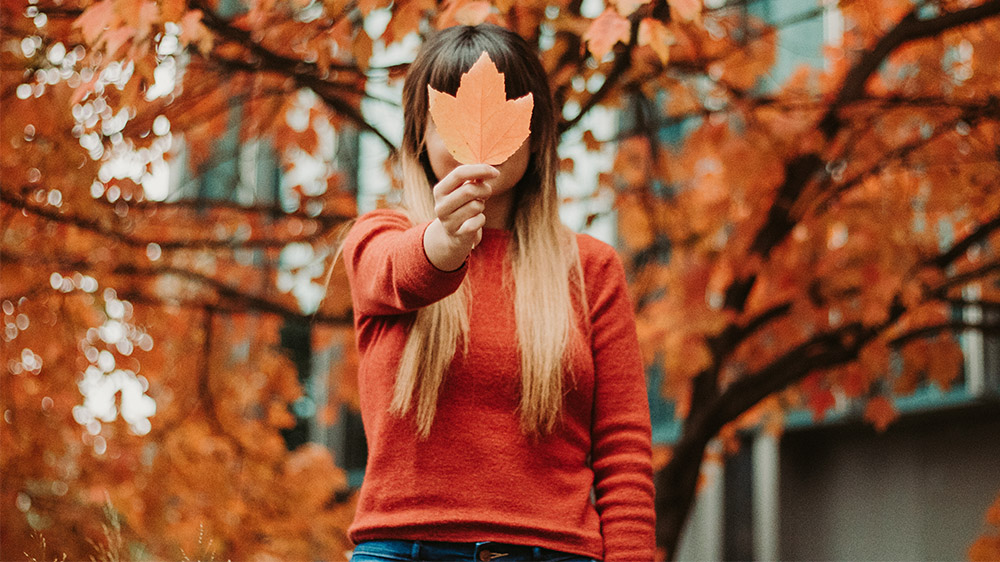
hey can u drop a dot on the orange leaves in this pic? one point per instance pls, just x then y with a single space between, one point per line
938 360
880 412
605 32
110 24
194 32
944 365
311 472
626 7
173 10
367 6
463 12
636 228
478 124
820 400
986 548
139 16
686 10
406 18
97 18
633 162
654 34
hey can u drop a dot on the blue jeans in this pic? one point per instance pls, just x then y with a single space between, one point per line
397 550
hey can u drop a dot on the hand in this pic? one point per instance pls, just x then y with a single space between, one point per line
459 201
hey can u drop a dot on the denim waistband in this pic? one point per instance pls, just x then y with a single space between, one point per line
486 551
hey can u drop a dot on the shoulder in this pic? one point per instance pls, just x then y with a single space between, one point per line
602 270
596 256
388 217
372 222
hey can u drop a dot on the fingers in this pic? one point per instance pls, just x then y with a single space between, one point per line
460 175
460 202
460 197
454 220
468 193
472 226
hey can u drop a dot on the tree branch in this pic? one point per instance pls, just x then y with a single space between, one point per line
98 227
802 169
970 114
622 62
235 300
953 326
293 68
965 278
962 246
910 28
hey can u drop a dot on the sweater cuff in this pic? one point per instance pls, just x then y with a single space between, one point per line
425 278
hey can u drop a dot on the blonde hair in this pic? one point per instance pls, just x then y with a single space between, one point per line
545 267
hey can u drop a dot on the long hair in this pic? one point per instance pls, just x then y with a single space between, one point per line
544 257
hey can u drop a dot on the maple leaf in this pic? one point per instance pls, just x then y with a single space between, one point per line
479 124
985 549
406 18
96 19
880 412
944 365
173 10
821 401
473 13
626 7
194 31
686 10
368 6
607 29
653 33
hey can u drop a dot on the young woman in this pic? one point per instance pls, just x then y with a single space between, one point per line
501 385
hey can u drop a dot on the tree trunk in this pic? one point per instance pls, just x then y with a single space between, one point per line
676 486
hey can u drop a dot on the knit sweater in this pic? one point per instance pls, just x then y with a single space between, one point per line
584 488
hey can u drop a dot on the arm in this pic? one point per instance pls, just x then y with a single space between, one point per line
388 270
459 201
622 457
394 267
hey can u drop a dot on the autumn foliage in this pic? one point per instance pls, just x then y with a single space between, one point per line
798 245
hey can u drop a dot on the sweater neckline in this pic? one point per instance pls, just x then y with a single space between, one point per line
494 240
496 233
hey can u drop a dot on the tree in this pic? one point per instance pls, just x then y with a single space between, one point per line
816 231
790 243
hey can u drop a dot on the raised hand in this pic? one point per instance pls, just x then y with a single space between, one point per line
459 201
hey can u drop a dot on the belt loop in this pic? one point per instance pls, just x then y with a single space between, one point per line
415 552
536 553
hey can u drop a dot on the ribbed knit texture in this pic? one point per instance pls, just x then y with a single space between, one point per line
477 476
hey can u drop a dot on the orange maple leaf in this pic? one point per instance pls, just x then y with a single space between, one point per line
686 10
626 7
606 30
479 124
94 20
653 33
880 412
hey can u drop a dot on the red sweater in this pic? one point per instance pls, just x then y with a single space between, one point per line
477 477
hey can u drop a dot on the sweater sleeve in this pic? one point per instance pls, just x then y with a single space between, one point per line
621 456
387 268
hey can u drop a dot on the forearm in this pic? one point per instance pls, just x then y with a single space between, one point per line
443 251
388 269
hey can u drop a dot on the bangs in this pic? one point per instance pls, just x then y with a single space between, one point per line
465 46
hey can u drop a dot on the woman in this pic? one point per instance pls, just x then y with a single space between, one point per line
501 385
